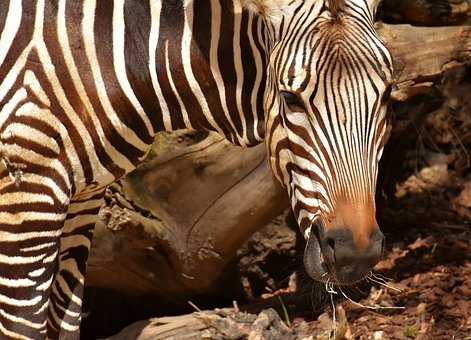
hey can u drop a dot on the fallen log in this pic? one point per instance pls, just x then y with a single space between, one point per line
423 54
232 323
218 324
172 226
174 223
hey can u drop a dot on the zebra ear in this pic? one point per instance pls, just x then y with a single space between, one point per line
269 9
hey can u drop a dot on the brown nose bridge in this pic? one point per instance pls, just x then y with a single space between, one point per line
360 219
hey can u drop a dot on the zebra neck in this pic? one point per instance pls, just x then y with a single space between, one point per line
207 67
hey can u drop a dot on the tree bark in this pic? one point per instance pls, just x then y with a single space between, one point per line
172 226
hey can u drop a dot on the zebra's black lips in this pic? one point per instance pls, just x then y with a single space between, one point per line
313 258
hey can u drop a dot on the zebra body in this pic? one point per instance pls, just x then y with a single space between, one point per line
76 117
85 86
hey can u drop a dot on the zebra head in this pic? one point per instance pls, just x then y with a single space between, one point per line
329 79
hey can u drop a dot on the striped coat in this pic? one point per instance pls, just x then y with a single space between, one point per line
85 86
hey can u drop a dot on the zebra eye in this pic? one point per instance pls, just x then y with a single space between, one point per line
293 100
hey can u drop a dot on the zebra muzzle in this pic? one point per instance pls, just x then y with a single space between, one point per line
330 255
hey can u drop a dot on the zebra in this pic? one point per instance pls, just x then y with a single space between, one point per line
85 86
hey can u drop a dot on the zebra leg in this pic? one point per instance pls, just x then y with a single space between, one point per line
32 213
67 289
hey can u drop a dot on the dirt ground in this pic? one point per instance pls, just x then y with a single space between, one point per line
421 290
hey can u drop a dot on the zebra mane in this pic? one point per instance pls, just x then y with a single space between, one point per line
335 6
273 9
270 9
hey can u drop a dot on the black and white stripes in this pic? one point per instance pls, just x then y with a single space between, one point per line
85 85
332 136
